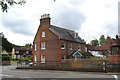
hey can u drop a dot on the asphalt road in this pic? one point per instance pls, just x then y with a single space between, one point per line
10 73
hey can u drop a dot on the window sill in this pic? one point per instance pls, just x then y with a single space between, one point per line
42 62
79 49
43 49
63 48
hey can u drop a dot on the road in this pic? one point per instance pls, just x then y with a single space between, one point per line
10 73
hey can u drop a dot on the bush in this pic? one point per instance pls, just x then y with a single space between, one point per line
5 58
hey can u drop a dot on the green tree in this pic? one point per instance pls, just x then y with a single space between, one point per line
5 4
95 42
6 45
28 45
102 40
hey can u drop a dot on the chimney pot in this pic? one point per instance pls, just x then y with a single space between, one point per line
45 16
45 19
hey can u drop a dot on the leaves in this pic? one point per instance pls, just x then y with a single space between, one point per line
6 45
4 6
28 45
95 42
102 40
6 3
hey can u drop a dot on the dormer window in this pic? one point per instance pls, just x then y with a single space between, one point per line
76 35
43 34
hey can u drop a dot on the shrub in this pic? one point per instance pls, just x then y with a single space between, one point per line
5 58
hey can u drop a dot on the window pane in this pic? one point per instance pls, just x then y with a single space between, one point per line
43 45
43 34
35 47
62 45
70 46
79 48
42 58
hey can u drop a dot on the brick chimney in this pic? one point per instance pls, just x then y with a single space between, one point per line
45 19
108 37
117 36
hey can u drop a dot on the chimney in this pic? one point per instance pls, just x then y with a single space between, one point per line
108 37
117 36
45 19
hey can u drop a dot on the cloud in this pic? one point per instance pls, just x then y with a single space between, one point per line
119 18
67 15
111 28
90 18
70 19
101 18
16 24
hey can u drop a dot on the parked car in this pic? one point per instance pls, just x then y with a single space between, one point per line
31 64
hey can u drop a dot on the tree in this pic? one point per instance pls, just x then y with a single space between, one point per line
28 45
6 45
5 4
102 40
95 42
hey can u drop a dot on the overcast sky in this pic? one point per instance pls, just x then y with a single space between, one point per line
90 18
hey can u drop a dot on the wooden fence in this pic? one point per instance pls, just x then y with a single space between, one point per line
75 65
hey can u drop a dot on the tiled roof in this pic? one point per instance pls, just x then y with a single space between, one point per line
65 34
109 42
23 48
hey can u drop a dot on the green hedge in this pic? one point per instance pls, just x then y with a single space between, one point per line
6 58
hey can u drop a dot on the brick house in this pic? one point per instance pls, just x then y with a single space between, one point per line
52 43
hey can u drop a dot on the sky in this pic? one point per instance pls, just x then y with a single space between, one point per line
90 18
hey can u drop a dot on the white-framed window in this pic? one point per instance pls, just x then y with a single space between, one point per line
43 45
35 58
76 35
35 48
27 52
85 49
70 46
17 51
62 45
43 34
17 56
79 47
42 58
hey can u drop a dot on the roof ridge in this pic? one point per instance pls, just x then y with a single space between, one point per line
62 28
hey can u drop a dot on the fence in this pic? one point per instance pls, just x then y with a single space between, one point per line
77 65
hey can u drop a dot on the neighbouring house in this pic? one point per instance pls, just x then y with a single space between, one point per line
111 47
20 52
52 43
5 58
115 47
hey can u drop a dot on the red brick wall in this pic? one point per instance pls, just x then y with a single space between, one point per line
74 47
114 59
53 48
